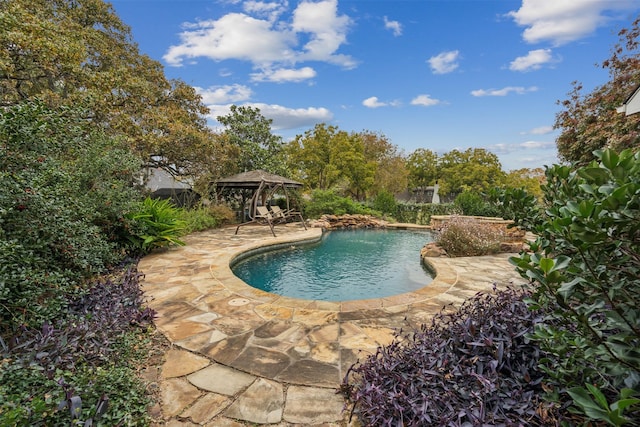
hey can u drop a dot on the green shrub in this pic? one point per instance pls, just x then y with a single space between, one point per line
205 217
385 202
80 360
329 202
156 224
473 204
518 205
63 192
586 267
296 200
465 237
420 213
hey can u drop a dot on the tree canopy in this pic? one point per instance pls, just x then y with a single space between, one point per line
358 164
474 169
589 122
79 53
314 156
530 180
422 166
248 135
390 174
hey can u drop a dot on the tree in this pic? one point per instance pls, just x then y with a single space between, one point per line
392 175
249 132
474 169
359 164
528 179
328 158
422 166
590 122
390 172
356 173
79 53
312 156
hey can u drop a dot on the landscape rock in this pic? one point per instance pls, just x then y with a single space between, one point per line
432 250
348 221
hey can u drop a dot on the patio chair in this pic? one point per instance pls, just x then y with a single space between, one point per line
262 216
285 215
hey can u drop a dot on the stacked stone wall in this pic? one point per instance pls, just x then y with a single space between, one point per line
337 222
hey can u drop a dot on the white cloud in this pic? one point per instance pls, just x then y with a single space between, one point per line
534 60
394 26
425 100
564 21
518 147
284 75
283 117
444 62
271 10
373 102
542 130
504 91
537 159
325 29
233 36
291 118
265 42
224 94
534 145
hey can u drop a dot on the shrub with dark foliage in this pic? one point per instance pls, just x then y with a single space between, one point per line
472 367
78 361
64 190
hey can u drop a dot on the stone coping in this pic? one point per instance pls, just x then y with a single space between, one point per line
444 277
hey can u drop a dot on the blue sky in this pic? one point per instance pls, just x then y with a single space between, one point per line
434 74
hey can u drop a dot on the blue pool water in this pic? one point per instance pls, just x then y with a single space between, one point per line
345 265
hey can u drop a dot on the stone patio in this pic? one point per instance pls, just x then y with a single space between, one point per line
241 356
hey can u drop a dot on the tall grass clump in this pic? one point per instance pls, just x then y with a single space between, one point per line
155 223
460 236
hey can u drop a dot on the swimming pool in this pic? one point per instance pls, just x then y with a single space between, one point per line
345 265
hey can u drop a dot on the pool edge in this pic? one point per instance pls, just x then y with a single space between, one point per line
444 279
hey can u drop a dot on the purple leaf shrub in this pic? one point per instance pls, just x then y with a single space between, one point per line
471 367
89 333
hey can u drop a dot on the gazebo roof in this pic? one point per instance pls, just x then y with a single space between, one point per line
254 179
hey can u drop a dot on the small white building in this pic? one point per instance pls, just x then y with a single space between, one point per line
632 104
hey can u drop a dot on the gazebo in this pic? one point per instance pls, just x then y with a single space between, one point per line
263 186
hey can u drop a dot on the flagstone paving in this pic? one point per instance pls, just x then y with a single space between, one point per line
241 356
